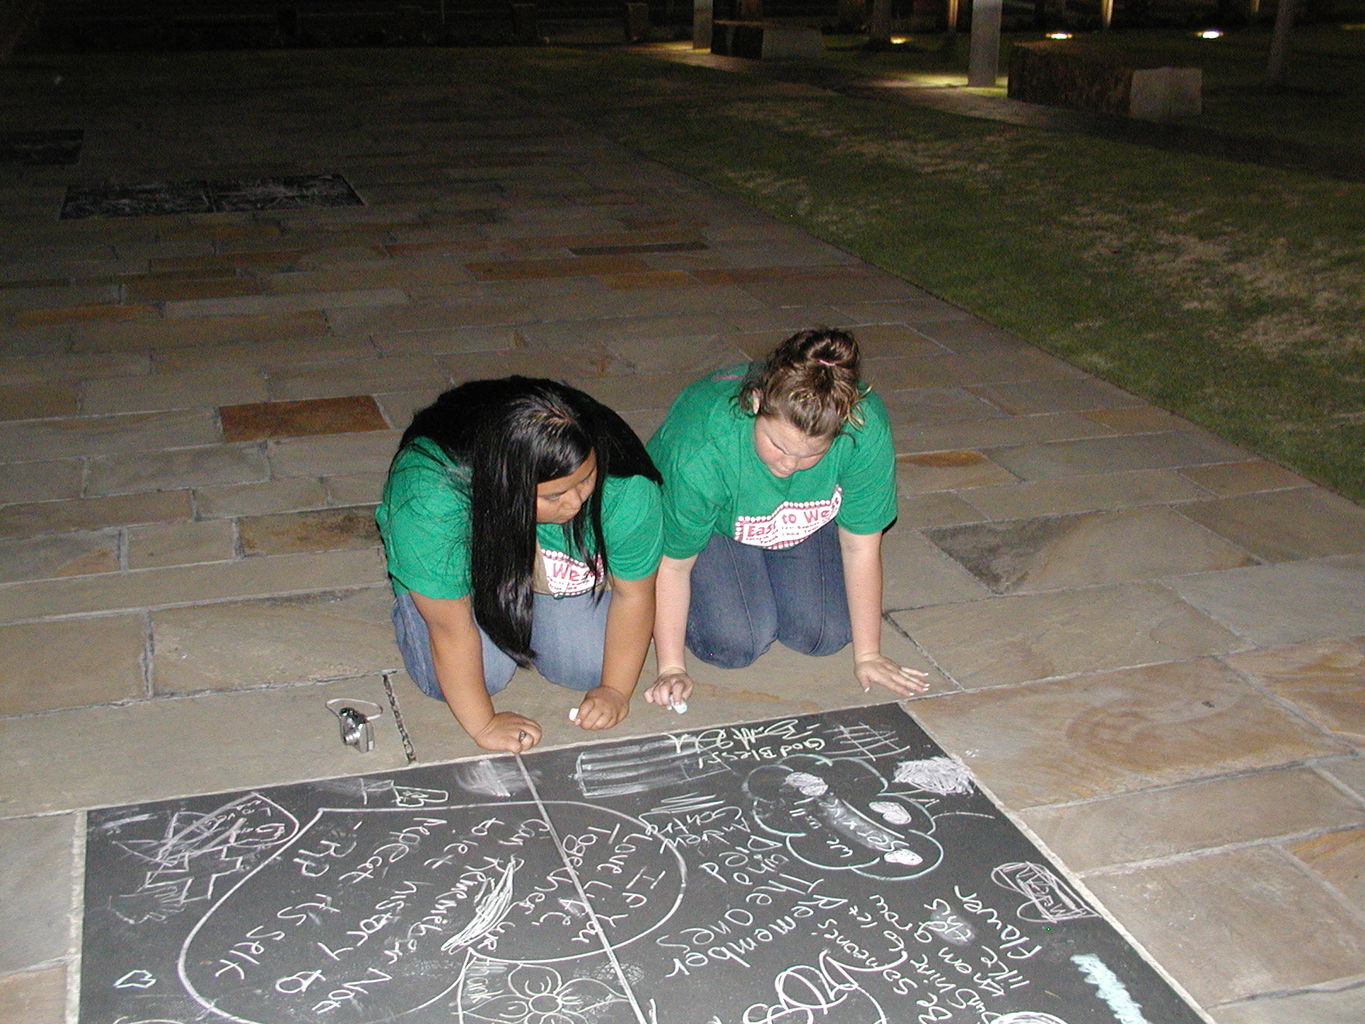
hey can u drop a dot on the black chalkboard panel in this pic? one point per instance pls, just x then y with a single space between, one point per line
830 869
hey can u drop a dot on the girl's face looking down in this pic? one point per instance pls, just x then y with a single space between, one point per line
558 500
783 448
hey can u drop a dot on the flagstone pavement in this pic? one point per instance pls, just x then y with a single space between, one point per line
1147 643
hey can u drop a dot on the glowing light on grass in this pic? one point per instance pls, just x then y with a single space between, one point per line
1059 35
1210 33
898 40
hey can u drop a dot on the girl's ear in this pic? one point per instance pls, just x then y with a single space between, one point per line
753 402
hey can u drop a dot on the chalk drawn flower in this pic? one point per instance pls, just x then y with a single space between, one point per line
540 996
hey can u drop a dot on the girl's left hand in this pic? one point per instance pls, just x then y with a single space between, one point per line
602 707
882 671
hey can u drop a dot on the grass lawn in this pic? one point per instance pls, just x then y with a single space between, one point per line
1230 294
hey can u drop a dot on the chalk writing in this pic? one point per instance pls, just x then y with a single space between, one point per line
191 853
839 869
1110 988
942 775
1046 897
839 815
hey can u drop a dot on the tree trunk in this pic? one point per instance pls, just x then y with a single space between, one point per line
1279 44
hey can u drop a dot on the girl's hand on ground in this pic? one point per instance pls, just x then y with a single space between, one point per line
876 669
673 686
602 708
508 733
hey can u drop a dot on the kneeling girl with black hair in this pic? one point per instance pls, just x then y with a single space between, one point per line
522 525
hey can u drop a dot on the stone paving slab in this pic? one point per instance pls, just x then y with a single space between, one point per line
175 468
1333 1006
1104 733
1152 824
1281 526
1238 923
1085 549
273 641
1323 680
186 585
46 666
185 543
207 743
1024 637
40 872
34 997
56 439
1273 604
1025 499
32 519
1107 454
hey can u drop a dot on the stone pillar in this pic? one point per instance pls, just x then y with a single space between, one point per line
983 62
701 24
637 22
750 10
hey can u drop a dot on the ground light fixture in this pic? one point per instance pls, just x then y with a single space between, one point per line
1059 35
1210 33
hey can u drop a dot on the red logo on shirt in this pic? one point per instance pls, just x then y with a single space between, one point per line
567 576
789 524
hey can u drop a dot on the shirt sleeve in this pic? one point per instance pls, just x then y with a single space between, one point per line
424 523
868 478
634 528
693 498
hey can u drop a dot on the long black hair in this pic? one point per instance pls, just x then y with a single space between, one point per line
512 434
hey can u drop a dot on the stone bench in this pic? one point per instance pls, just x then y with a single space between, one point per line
1064 74
765 40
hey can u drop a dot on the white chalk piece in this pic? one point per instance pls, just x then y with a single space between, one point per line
680 706
573 714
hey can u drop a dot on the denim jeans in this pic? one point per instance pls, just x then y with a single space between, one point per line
745 597
568 635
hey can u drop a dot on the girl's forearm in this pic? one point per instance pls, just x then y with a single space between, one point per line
862 557
674 597
630 619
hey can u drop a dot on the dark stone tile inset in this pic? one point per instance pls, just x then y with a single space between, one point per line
289 192
304 418
1089 549
140 200
52 147
293 192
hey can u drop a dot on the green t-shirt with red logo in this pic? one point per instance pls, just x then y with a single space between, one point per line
423 518
714 481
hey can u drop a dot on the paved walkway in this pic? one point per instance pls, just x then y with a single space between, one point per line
1144 641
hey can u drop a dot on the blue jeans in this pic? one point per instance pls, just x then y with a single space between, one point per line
567 633
744 598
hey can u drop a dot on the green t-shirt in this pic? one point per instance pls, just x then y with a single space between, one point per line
714 481
423 519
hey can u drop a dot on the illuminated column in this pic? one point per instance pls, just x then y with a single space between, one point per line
1106 12
701 24
984 58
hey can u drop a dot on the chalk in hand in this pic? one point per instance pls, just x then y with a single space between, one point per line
680 706
573 714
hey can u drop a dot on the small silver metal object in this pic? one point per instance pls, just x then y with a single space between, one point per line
355 717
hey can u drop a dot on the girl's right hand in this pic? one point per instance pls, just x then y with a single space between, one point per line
673 685
509 733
